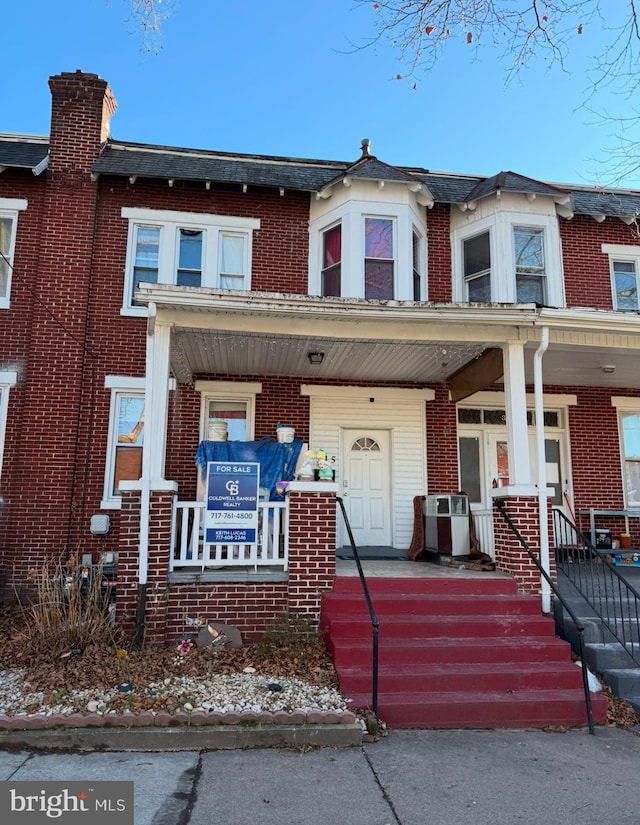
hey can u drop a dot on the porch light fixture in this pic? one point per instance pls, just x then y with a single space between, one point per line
608 368
315 357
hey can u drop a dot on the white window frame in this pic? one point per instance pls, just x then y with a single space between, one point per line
119 385
9 208
622 252
407 218
500 223
228 391
170 224
629 406
8 379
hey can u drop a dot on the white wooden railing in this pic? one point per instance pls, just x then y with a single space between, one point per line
189 550
483 525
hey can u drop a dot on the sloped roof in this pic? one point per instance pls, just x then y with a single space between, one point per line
183 164
24 152
311 175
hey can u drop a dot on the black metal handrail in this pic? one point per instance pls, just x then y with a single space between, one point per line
375 624
611 597
499 503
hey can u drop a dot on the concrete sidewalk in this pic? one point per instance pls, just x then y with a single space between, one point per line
407 778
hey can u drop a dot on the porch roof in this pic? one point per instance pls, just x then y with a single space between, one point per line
217 332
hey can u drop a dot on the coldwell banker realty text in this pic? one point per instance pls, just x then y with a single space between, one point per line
232 502
97 803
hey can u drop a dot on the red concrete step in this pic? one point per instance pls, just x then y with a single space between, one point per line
491 709
357 652
431 605
402 627
459 677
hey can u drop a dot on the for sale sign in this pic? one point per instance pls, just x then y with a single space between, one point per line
231 516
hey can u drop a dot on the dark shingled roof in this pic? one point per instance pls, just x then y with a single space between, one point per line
306 175
257 170
22 153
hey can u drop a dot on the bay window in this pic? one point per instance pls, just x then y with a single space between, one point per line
331 261
528 245
477 268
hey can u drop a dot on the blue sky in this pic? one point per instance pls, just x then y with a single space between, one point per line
284 78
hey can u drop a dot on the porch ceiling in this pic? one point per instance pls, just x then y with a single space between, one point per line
199 353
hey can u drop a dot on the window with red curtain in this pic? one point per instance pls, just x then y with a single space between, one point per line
331 261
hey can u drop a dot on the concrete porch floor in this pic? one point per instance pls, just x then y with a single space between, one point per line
403 568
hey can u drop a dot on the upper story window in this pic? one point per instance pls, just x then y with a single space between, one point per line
9 208
187 250
378 258
503 255
477 267
528 246
331 260
624 262
367 242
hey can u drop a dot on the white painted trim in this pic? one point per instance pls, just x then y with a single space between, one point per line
13 204
228 387
625 250
330 391
312 487
491 399
124 382
189 218
625 403
8 379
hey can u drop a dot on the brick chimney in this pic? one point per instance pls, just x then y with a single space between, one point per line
81 108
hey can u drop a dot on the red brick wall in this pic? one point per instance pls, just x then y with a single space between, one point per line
587 273
439 278
442 443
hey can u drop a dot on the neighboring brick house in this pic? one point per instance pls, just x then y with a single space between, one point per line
170 287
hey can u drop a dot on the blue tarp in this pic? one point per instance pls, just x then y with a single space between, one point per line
277 461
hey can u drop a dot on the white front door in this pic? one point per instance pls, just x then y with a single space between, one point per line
366 489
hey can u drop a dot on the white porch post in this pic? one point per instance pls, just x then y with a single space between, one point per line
155 435
515 393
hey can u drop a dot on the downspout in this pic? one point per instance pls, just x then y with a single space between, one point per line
543 505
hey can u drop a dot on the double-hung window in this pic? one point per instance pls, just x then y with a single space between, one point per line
477 267
331 261
7 380
528 247
624 263
630 447
378 258
9 208
187 250
126 435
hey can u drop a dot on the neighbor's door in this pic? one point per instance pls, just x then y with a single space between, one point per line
366 487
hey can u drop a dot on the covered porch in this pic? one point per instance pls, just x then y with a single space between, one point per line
388 356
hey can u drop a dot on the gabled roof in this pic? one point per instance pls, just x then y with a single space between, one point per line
512 182
24 152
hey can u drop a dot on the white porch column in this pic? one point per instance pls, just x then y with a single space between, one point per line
515 395
156 397
155 427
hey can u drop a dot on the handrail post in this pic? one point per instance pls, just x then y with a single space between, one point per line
375 624
499 503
